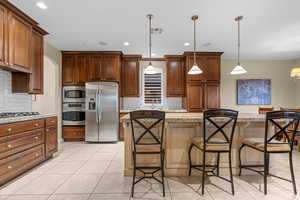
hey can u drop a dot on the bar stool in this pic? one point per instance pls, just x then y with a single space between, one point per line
216 142
148 142
269 145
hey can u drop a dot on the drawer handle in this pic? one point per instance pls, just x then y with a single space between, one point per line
52 121
36 155
36 124
36 137
47 130
9 167
9 129
9 146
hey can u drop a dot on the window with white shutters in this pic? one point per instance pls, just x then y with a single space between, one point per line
153 88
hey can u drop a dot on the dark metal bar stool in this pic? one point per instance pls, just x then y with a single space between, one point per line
269 145
148 142
217 142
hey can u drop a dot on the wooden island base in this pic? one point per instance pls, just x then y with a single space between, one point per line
180 128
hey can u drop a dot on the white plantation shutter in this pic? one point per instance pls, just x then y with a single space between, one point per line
153 88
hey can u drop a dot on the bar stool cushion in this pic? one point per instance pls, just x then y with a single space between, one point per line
258 143
198 141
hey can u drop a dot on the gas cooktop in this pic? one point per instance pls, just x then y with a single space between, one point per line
17 114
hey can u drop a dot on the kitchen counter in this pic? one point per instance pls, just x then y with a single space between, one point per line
166 110
180 128
25 118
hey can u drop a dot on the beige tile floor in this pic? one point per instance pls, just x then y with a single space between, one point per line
82 171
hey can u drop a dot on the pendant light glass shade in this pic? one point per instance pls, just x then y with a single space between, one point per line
295 73
150 69
238 70
195 68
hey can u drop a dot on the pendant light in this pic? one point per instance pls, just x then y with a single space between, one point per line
238 69
195 68
150 69
295 73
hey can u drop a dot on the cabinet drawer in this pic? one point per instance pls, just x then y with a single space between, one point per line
22 141
8 129
3 145
19 163
74 133
52 121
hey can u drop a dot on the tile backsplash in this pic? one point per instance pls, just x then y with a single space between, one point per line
12 102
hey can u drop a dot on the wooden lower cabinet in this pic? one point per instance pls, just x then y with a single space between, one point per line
122 129
74 133
24 145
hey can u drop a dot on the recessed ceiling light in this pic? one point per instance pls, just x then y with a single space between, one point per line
187 44
126 43
153 54
41 5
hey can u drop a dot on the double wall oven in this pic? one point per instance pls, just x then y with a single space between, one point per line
73 106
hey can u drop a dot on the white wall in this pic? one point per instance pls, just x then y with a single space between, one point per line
298 85
283 87
50 101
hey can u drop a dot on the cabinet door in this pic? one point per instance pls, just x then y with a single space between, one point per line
110 67
213 70
20 35
81 69
202 63
195 97
130 78
68 70
36 78
212 95
94 68
51 140
175 78
3 36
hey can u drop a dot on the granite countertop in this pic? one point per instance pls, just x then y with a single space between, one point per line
165 110
198 117
25 118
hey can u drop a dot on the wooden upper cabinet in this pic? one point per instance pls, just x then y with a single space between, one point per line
175 76
195 97
81 66
212 95
68 70
110 68
209 62
3 36
94 68
36 79
130 76
20 36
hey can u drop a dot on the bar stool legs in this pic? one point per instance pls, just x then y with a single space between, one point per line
292 173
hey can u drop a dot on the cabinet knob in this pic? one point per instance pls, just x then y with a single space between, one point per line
36 137
9 146
9 167
36 124
9 129
36 155
47 129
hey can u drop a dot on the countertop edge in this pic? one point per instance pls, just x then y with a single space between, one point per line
26 118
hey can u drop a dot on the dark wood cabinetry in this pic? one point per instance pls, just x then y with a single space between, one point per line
73 133
203 90
131 76
175 76
23 145
81 67
21 49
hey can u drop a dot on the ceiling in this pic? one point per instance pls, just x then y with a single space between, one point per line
270 28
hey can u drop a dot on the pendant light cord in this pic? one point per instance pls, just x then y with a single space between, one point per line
239 42
194 41
150 39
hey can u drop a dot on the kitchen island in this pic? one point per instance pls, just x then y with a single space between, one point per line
180 128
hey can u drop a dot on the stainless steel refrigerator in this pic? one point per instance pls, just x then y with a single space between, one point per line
102 112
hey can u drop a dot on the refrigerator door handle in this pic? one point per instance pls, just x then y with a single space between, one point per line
100 107
97 102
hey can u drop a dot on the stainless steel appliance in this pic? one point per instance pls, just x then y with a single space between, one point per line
102 112
73 94
73 114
